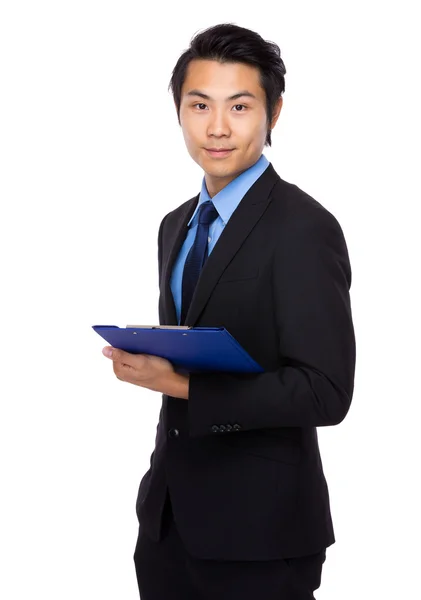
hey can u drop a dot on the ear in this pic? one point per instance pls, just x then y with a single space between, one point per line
178 117
176 112
277 112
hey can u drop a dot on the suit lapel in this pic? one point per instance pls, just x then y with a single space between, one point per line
239 226
178 235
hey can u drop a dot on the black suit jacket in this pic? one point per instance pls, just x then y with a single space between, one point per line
241 457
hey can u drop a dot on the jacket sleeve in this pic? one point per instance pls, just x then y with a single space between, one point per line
313 385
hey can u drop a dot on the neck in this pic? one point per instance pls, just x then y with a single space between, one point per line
215 184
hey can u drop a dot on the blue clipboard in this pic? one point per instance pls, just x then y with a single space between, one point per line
193 349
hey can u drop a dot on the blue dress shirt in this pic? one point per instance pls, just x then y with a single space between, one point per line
225 202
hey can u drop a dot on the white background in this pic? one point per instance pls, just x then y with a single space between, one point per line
92 158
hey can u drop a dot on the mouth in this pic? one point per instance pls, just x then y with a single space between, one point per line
219 152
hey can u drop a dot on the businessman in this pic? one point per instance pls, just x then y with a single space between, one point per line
235 503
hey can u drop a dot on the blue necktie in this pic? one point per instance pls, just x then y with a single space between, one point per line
197 256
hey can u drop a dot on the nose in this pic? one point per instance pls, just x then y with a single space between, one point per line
218 124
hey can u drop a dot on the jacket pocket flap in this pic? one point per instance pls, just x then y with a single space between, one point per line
238 274
281 450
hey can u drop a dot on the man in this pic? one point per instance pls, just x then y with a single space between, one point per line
235 504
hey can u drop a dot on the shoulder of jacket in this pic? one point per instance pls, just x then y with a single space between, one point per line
180 210
300 207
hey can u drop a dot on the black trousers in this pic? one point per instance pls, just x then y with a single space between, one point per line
165 571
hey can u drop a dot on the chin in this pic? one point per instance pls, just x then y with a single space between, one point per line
222 171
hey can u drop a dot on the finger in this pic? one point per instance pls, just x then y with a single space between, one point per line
123 357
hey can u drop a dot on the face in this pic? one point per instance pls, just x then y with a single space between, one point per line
224 106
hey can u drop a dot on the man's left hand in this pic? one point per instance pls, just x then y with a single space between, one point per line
152 372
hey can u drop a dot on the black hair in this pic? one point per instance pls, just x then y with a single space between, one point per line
230 43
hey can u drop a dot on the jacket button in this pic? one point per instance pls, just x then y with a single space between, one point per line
215 429
173 433
222 428
236 427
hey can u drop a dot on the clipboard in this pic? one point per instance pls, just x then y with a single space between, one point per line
189 349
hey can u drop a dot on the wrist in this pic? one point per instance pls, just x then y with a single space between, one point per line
180 386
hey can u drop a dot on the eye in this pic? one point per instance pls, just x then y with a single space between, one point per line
235 106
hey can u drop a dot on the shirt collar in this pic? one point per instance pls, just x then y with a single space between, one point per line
227 200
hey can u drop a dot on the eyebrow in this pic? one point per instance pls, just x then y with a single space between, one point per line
233 97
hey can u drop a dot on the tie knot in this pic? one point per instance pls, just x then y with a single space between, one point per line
207 213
